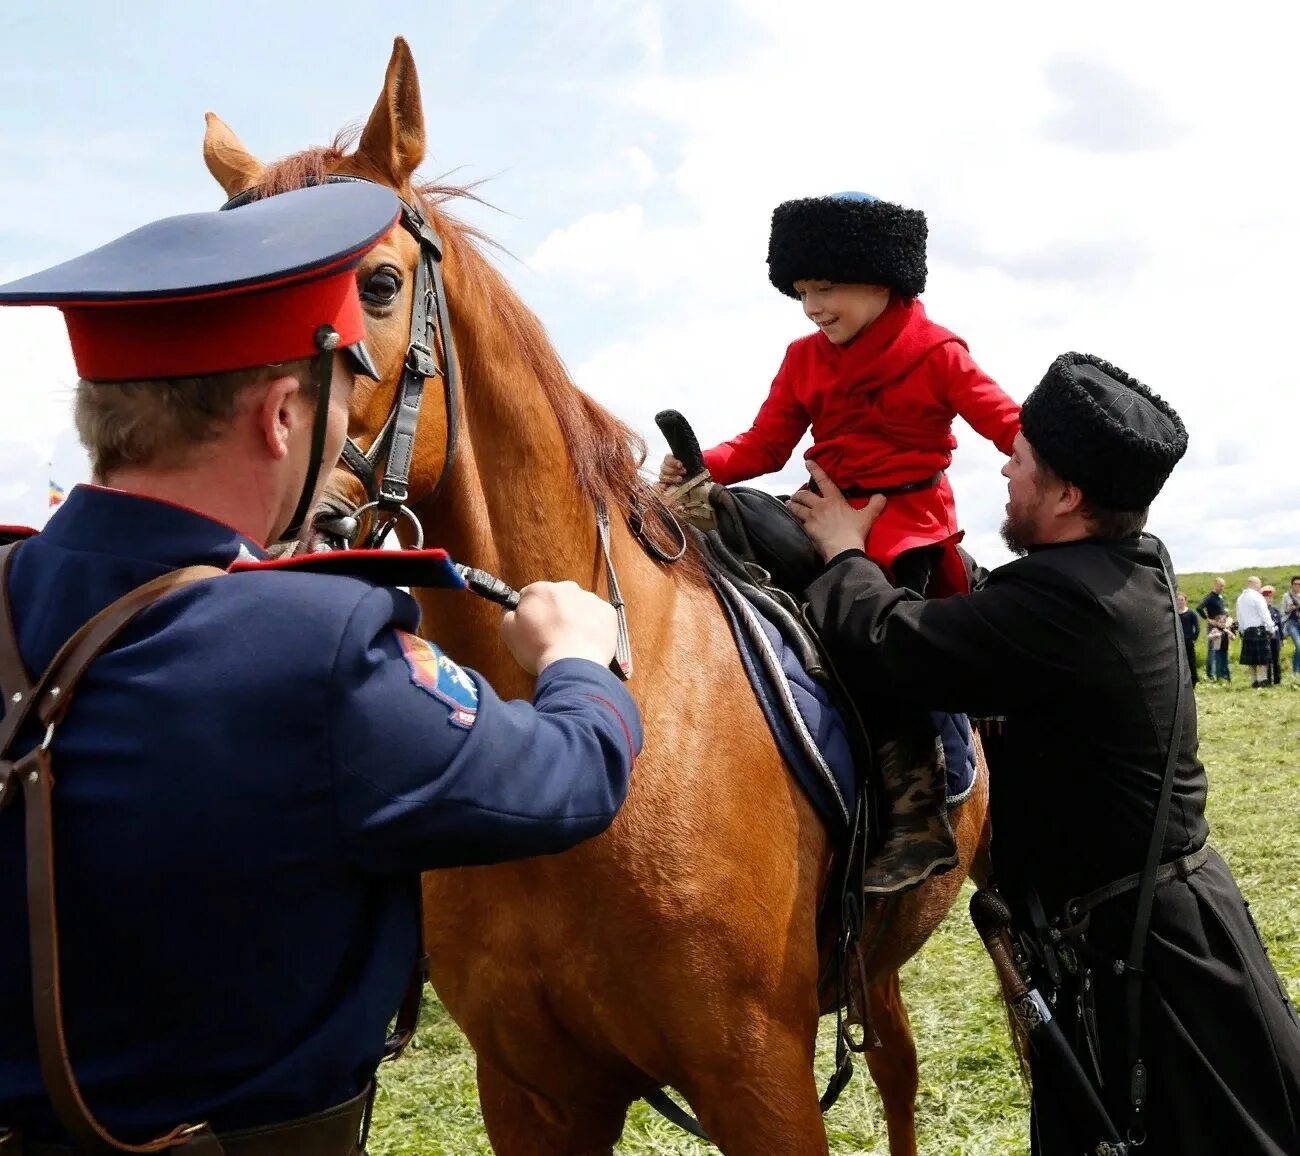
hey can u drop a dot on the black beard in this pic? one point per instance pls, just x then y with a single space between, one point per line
1016 535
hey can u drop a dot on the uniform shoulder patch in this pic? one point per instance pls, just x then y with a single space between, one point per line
435 673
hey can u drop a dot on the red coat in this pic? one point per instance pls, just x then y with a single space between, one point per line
881 410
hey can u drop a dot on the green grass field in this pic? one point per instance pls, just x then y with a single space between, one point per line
971 1101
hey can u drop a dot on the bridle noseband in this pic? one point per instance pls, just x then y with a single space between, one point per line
389 494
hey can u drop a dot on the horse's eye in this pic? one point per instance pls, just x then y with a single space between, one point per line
382 287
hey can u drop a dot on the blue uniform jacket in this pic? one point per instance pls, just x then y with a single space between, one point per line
246 788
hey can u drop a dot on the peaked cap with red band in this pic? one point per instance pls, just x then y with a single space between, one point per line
212 292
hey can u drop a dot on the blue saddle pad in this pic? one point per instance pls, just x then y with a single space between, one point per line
958 754
809 729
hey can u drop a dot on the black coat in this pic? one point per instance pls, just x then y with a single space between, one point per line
1213 605
1075 645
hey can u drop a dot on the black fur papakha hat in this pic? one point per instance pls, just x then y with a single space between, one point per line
849 238
1104 431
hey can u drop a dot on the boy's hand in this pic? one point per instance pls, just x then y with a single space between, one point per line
671 471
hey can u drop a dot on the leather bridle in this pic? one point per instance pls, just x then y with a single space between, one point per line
388 494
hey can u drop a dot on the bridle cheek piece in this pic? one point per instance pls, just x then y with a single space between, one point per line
387 495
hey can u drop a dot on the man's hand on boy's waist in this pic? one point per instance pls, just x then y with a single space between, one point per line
833 524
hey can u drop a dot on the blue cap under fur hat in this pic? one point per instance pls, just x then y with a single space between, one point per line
848 237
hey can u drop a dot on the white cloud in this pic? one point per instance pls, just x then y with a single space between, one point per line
647 25
36 385
36 438
1116 181
644 172
1112 185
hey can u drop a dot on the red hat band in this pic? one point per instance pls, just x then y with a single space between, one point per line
142 340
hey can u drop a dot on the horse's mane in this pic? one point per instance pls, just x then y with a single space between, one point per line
607 454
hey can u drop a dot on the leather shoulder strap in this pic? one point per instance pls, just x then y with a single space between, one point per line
14 679
1134 969
32 774
52 692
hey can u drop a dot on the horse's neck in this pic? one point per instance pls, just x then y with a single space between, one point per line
511 504
512 491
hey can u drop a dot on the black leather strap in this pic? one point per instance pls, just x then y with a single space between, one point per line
395 442
1133 970
323 367
893 491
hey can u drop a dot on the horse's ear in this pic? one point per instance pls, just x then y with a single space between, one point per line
393 139
233 166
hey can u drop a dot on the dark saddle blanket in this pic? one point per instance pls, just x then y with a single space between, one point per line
810 728
764 561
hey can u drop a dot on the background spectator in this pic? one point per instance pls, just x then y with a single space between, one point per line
1256 628
1274 639
1214 606
1218 636
1291 621
1191 632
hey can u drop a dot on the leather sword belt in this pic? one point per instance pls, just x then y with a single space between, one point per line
337 1131
1077 910
892 491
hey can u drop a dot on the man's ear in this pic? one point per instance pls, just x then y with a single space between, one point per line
277 413
1069 499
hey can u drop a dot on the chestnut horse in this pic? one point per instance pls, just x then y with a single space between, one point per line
679 948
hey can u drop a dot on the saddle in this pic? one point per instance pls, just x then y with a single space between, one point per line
766 553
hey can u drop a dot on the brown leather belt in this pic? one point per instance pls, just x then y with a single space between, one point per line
337 1131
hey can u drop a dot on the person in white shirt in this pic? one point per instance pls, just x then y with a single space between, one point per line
1256 625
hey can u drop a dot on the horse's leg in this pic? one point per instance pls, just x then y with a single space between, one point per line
764 1100
893 1064
519 1124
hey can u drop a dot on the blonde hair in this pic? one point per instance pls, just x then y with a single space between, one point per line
160 423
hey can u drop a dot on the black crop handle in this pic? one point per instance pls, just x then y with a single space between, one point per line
681 440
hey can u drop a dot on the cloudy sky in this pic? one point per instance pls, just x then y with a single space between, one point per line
1114 178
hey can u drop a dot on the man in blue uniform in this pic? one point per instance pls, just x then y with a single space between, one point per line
252 776
1167 997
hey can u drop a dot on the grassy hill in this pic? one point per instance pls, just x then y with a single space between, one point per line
1196 584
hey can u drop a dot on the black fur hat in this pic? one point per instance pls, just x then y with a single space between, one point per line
1104 431
849 238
